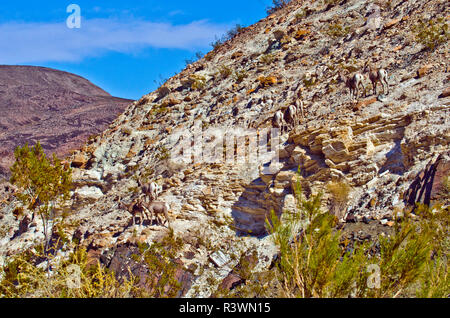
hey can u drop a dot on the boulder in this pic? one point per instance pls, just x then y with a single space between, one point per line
279 34
301 34
267 81
219 259
363 103
87 192
424 70
391 23
163 91
445 93
336 151
231 281
285 175
171 102
121 261
79 161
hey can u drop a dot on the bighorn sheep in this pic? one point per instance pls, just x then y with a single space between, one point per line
136 207
353 83
155 190
294 112
278 120
299 105
152 189
158 208
377 75
291 116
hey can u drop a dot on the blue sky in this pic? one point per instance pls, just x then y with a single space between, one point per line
125 47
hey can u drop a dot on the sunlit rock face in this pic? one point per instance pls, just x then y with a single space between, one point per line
378 144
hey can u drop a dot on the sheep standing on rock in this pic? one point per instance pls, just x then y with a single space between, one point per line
377 75
152 190
155 190
136 208
278 120
353 83
291 116
300 109
157 208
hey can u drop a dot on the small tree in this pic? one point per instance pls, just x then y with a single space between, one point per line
317 260
43 185
277 5
431 33
231 34
312 261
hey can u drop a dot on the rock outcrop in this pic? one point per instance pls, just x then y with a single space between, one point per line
378 148
429 186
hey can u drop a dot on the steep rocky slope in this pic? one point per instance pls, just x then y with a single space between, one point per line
388 148
59 109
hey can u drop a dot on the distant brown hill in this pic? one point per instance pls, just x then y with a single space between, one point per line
59 109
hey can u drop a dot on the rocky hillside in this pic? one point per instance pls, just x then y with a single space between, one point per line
59 109
390 149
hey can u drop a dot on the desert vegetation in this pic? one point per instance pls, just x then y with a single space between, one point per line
348 230
44 187
316 260
72 278
229 35
79 276
277 5
431 33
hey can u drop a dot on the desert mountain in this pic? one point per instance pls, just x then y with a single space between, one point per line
59 109
391 148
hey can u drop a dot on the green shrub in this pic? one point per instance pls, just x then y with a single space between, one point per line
72 278
154 111
44 185
309 82
79 277
316 261
198 82
162 153
267 59
198 56
225 71
230 34
445 191
332 2
339 196
159 258
299 16
277 5
234 31
239 76
127 131
312 263
337 30
432 33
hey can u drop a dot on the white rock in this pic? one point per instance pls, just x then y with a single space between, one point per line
93 174
289 203
219 259
89 193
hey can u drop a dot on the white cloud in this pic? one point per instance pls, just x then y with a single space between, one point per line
54 42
